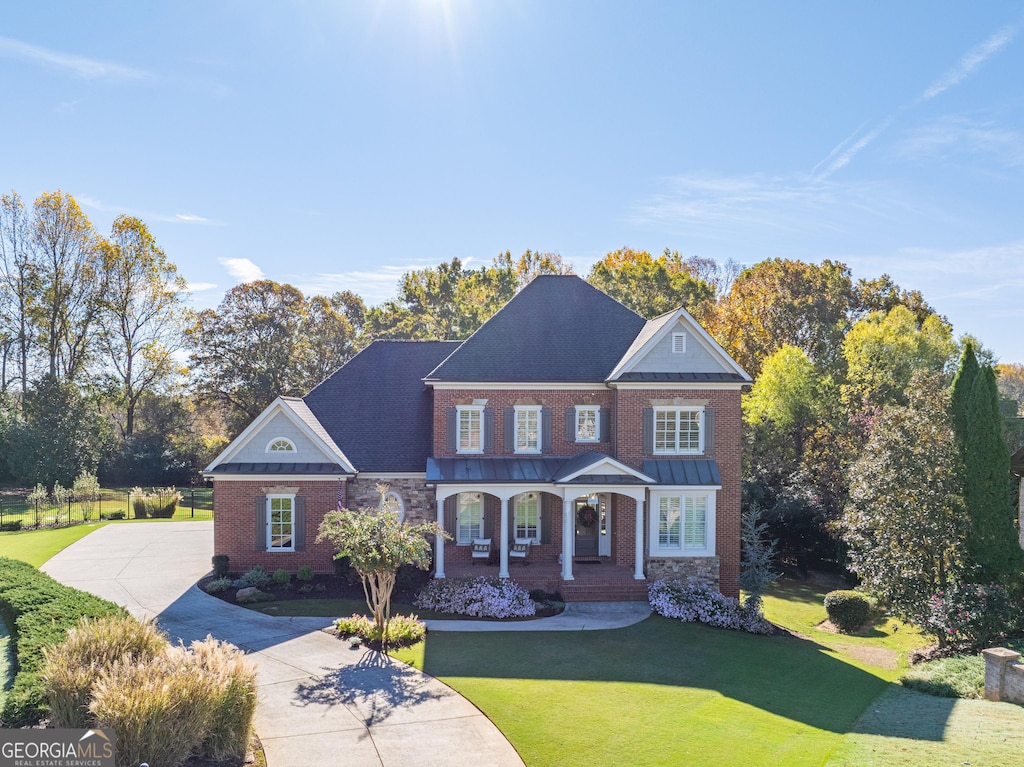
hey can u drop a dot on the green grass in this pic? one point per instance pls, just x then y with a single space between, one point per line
962 676
37 546
6 662
196 503
904 728
659 692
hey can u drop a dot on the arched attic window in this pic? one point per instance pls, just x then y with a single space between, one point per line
280 445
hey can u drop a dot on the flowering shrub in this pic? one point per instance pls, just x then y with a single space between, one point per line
479 597
971 614
696 603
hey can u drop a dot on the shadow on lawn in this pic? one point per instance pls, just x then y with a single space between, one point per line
793 678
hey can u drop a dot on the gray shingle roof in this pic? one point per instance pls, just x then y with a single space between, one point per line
556 329
377 408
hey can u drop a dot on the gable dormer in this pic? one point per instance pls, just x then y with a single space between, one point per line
674 347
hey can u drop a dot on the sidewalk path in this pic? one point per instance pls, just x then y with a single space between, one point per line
321 702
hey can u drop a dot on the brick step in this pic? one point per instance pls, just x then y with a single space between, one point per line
612 591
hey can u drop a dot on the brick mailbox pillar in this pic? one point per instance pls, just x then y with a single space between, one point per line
999 664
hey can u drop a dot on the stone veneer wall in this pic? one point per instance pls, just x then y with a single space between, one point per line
417 498
703 570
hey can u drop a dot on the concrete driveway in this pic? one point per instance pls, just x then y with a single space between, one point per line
321 702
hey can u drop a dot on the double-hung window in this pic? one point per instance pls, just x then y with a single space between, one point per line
683 524
677 430
280 523
470 518
526 517
588 423
470 429
528 426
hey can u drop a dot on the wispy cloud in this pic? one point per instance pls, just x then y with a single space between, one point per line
852 145
242 269
373 286
960 135
970 62
176 218
79 66
198 287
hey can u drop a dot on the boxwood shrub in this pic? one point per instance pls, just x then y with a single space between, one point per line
39 611
848 610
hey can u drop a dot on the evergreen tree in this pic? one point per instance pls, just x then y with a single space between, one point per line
992 540
962 385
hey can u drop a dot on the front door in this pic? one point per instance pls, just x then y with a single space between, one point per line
588 526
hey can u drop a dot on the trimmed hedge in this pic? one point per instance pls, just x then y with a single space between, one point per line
39 611
848 610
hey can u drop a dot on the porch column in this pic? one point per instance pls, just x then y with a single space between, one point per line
638 565
439 544
568 535
503 541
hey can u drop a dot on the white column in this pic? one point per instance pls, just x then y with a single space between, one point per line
568 539
439 545
503 541
638 568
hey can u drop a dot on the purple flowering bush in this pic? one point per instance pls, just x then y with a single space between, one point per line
479 597
696 603
971 615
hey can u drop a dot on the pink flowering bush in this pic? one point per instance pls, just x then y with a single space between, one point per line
479 597
696 603
971 615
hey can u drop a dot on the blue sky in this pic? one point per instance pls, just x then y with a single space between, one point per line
335 145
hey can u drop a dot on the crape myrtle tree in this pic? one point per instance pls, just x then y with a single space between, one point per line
377 543
904 523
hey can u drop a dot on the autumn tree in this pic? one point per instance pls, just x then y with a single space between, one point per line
66 255
905 524
650 286
1010 381
142 317
377 543
18 285
779 302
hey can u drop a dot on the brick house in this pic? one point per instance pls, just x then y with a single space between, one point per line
566 420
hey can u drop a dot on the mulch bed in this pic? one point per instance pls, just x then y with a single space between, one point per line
330 587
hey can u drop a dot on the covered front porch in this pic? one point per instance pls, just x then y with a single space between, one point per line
596 579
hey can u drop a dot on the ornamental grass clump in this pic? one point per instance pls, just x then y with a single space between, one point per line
157 503
479 597
233 690
95 643
696 603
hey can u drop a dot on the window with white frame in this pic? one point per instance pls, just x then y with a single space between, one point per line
683 524
469 518
526 517
528 439
588 423
678 430
280 523
470 429
280 445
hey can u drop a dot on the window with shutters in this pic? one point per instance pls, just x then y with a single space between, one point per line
470 429
469 518
677 430
683 524
280 523
526 517
528 427
588 423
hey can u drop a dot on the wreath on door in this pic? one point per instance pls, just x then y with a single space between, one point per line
587 516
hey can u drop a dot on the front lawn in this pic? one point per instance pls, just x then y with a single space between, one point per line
37 546
659 692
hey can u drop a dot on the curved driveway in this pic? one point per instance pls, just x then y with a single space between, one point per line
321 702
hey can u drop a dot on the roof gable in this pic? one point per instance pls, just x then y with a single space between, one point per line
656 353
286 417
558 328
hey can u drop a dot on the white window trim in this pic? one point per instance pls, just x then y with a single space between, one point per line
291 446
656 550
459 410
596 409
679 343
536 410
515 515
399 504
678 410
270 525
460 540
